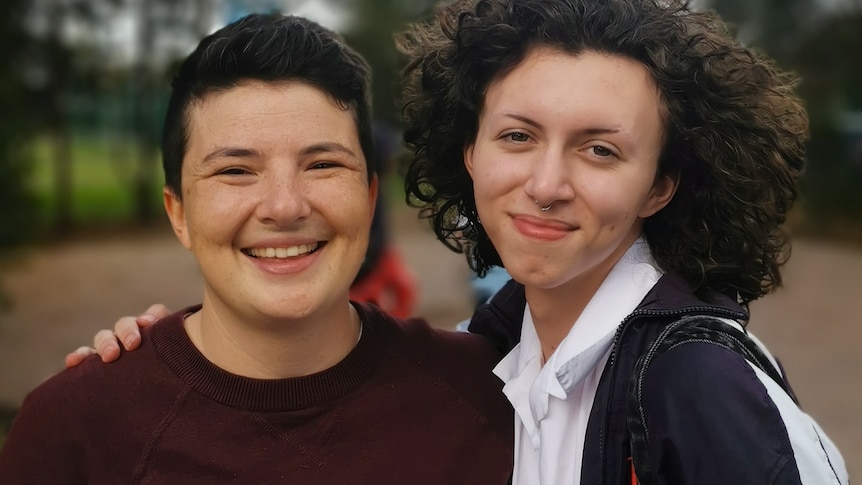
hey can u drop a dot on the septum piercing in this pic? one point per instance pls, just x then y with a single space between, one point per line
543 209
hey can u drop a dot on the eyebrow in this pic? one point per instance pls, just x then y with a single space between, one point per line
327 147
237 152
230 152
586 131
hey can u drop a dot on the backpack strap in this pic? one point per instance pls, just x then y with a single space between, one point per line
698 328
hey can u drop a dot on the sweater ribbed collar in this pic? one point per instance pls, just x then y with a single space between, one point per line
173 345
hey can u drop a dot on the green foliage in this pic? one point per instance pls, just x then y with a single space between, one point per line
372 34
16 124
822 47
832 88
102 181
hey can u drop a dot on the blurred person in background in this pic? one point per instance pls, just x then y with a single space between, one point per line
384 278
277 376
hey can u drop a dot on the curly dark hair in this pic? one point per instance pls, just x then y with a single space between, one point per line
735 132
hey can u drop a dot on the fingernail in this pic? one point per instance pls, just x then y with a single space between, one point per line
129 340
148 318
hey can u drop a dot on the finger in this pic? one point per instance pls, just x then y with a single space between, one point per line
78 355
153 314
106 345
127 332
158 311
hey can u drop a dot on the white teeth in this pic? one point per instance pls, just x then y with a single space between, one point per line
282 253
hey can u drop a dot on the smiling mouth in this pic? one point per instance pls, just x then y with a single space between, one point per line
283 253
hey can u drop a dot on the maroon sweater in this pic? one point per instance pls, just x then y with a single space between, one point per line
409 405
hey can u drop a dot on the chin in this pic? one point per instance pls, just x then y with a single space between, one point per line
534 279
286 309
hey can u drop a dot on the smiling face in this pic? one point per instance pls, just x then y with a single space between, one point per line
582 134
276 204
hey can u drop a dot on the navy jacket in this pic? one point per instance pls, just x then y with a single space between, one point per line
711 418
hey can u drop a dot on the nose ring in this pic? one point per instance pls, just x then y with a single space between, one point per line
543 209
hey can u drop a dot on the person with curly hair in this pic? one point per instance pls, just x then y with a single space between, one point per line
630 164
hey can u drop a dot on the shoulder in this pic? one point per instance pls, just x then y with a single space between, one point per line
94 385
703 372
450 372
460 362
419 340
499 320
100 389
704 404
92 415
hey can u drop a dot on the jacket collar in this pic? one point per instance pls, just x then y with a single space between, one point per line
500 319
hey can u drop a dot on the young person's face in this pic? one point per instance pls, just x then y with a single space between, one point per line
276 204
583 134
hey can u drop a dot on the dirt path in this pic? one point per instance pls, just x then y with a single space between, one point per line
64 294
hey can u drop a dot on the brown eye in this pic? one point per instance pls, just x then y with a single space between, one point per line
518 137
602 151
233 171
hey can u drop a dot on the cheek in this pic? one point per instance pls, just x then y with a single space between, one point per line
495 175
215 215
614 202
348 206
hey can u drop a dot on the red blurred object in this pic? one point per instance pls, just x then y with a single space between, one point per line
390 285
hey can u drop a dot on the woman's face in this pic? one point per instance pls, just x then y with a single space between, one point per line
276 201
581 137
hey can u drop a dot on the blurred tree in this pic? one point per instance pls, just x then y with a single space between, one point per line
149 81
52 59
81 55
17 204
828 60
822 44
59 70
370 31
16 125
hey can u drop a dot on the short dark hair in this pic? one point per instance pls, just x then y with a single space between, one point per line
734 130
269 48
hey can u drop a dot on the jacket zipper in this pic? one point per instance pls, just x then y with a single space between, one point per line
705 310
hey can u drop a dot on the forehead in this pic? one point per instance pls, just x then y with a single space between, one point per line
589 85
268 113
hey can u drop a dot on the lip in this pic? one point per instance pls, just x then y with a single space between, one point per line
541 229
285 266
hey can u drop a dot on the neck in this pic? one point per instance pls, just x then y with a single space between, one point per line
273 349
556 310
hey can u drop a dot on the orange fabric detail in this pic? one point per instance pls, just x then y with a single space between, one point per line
632 468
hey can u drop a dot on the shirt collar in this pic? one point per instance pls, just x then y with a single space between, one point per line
592 334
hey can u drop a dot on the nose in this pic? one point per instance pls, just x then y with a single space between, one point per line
284 199
550 180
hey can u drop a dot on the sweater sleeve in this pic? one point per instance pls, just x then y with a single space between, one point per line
41 446
711 421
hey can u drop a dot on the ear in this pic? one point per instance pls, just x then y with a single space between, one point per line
660 195
468 159
177 214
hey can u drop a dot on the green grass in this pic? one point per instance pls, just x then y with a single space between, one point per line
102 172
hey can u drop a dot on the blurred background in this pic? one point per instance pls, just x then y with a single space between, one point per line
83 239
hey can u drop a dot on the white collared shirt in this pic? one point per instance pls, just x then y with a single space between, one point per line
553 402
